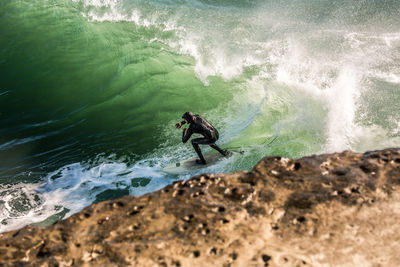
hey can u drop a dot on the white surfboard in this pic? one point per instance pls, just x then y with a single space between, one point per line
189 165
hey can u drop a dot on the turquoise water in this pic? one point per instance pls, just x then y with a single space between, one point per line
90 90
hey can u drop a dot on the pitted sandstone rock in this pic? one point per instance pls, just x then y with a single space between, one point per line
336 209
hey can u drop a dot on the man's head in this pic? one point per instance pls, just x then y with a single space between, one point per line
188 116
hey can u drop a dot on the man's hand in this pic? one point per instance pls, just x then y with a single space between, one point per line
179 124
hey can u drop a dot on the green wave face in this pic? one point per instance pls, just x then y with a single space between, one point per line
101 86
90 90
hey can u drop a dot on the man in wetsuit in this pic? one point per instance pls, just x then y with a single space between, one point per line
199 125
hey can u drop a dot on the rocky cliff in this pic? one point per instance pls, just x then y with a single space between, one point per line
336 209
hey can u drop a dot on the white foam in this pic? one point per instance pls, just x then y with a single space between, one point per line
342 101
74 187
21 205
77 185
389 77
374 137
112 11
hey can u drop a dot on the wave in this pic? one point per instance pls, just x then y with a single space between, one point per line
90 90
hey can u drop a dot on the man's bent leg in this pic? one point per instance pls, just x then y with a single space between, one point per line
224 153
195 143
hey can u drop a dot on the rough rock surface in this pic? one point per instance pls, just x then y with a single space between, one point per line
336 209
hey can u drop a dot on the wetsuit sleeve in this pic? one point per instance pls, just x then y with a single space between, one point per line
186 135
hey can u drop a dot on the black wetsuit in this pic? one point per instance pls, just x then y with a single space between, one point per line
200 126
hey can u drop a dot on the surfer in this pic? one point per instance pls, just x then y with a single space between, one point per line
199 125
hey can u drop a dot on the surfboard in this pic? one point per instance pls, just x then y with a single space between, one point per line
189 165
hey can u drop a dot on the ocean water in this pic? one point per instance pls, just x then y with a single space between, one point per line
90 90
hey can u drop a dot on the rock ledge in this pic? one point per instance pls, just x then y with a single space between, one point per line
333 209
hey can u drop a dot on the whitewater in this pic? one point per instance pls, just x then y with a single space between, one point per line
90 90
